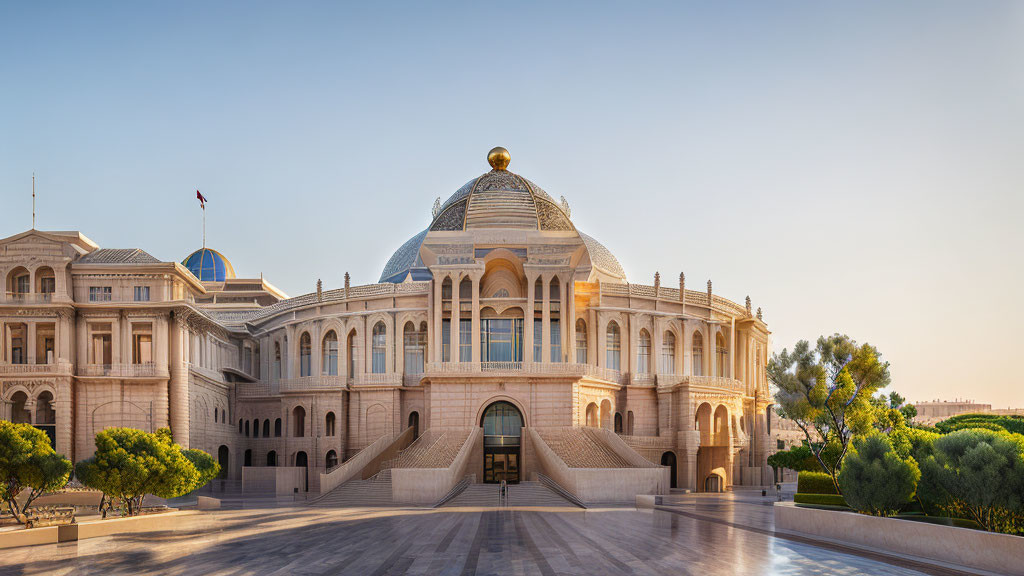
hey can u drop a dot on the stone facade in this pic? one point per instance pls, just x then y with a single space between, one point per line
96 338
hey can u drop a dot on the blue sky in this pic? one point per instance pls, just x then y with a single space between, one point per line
852 167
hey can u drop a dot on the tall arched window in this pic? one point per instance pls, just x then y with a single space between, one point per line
614 343
668 353
554 296
266 428
246 428
299 421
277 428
277 360
581 342
697 354
256 428
721 355
415 344
329 425
380 341
330 354
353 354
271 458
331 460
643 353
305 354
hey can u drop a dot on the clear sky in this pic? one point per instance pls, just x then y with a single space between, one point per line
853 167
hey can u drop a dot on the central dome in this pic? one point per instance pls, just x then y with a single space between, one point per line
501 199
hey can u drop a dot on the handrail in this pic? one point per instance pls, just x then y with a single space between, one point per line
459 488
552 485
503 494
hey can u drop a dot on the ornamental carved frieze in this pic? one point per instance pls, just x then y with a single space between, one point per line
500 180
550 217
451 219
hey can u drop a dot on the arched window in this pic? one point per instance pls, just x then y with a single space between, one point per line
331 460
246 428
501 293
216 415
277 428
629 423
581 342
353 354
697 354
266 428
668 353
46 280
614 343
277 360
305 354
239 425
721 355
299 420
618 422
415 345
380 341
271 458
554 296
329 424
256 428
330 354
643 353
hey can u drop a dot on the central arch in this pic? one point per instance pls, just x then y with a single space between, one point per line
502 423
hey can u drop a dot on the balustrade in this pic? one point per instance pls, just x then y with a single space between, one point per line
312 383
146 370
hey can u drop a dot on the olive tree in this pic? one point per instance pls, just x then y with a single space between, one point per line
130 463
875 480
827 391
27 461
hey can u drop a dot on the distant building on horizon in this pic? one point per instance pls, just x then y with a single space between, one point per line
939 410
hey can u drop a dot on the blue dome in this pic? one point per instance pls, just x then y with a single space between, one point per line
208 265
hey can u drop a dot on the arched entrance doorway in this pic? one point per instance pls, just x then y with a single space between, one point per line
502 423
669 459
222 459
414 423
302 461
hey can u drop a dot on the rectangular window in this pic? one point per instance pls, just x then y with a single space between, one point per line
556 341
538 340
142 348
100 293
18 351
465 340
142 293
501 340
780 444
48 285
101 353
21 284
446 340
415 344
581 345
246 359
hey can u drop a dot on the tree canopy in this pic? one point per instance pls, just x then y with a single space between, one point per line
827 391
28 461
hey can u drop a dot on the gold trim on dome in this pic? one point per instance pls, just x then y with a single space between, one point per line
498 158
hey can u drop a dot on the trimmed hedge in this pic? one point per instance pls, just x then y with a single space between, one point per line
823 499
815 483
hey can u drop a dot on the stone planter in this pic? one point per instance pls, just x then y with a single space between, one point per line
972 550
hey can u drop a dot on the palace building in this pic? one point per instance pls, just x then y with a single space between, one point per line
501 343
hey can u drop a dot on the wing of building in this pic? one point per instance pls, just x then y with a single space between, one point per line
501 343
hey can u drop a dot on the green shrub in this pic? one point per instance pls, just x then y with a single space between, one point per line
815 483
875 480
28 462
1013 424
822 499
977 474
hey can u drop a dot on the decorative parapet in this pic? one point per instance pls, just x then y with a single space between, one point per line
60 369
555 369
722 383
312 383
147 370
388 379
256 390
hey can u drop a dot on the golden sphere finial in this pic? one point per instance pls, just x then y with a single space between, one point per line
498 158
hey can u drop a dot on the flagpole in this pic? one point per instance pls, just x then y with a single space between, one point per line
33 200
204 226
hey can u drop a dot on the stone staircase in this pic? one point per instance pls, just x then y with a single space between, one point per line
374 492
582 448
435 449
522 494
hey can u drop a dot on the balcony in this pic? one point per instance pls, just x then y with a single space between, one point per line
60 368
714 382
312 384
556 369
27 298
146 370
258 389
389 379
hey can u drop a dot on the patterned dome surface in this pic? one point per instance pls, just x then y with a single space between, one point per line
501 199
208 265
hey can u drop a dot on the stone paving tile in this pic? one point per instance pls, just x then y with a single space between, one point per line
701 535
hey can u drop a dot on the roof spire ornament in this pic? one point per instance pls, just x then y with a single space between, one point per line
682 288
319 290
748 306
437 207
346 285
498 158
709 292
657 284
565 206
759 313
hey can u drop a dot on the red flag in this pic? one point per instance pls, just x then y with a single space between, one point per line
202 200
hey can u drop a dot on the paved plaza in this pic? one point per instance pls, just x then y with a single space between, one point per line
704 534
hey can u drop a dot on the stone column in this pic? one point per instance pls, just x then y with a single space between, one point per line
3 344
31 344
454 332
82 345
732 349
115 340
62 407
545 334
435 344
563 318
710 351
531 282
178 396
475 332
